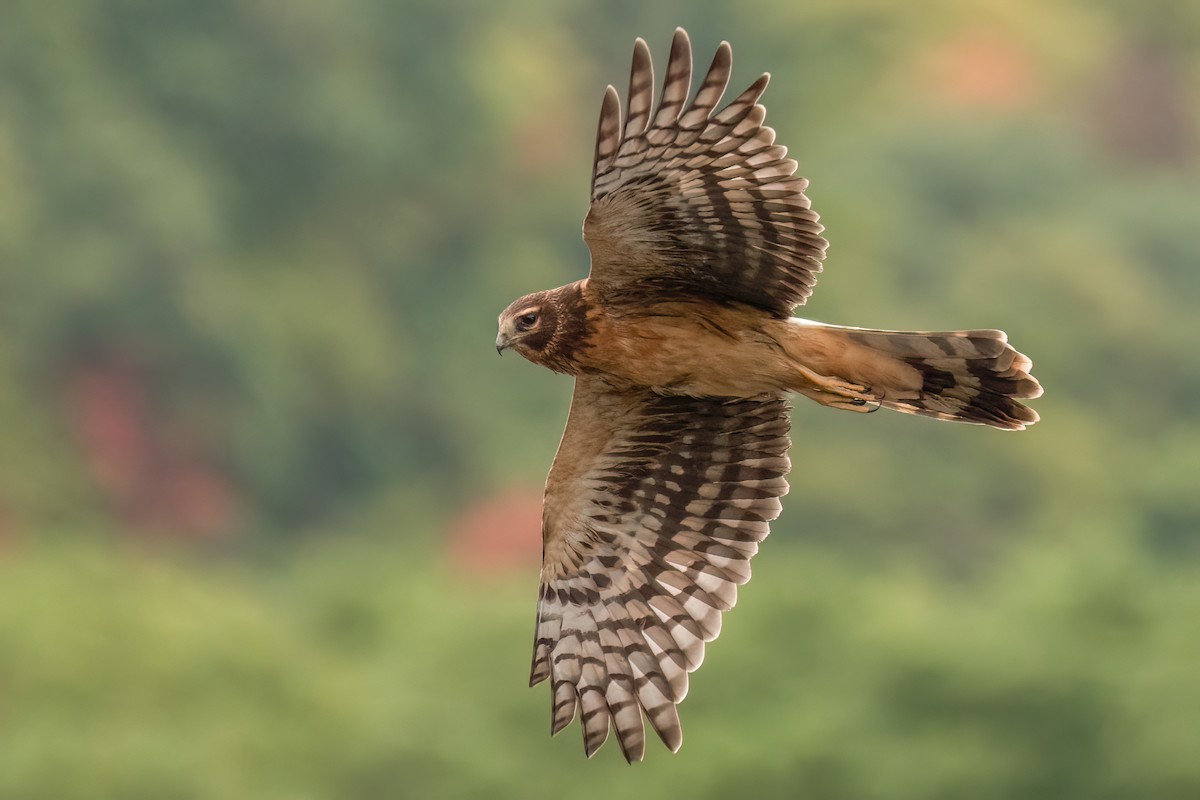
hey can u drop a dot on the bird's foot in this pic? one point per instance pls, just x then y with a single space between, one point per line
838 393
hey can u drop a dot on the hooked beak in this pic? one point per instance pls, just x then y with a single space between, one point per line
502 342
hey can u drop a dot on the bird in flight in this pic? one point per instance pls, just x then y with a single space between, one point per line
684 350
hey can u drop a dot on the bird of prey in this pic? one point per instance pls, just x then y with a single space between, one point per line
684 349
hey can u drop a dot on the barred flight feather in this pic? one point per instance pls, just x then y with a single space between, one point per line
688 202
665 510
966 376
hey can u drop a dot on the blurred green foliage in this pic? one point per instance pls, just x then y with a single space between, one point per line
351 673
251 254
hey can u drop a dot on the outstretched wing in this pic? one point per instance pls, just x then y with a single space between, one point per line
653 509
688 202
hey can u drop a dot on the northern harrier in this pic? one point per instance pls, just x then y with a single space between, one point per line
683 348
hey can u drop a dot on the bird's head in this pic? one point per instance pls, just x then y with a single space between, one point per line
548 328
528 325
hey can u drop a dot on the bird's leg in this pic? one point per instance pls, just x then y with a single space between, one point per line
863 405
835 392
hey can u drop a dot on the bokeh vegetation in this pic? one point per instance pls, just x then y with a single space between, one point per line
251 255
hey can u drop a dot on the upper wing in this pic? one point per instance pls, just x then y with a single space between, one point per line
688 202
653 509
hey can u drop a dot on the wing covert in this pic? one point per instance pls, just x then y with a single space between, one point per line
690 202
653 509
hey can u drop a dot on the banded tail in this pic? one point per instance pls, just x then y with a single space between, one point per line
964 376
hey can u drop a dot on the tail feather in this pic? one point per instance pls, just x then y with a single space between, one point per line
964 376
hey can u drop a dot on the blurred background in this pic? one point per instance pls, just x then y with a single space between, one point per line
269 501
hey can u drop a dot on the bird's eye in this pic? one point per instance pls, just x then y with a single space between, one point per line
527 321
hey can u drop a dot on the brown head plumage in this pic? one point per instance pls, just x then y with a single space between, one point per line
547 328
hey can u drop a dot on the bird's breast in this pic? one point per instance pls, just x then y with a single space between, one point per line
689 349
